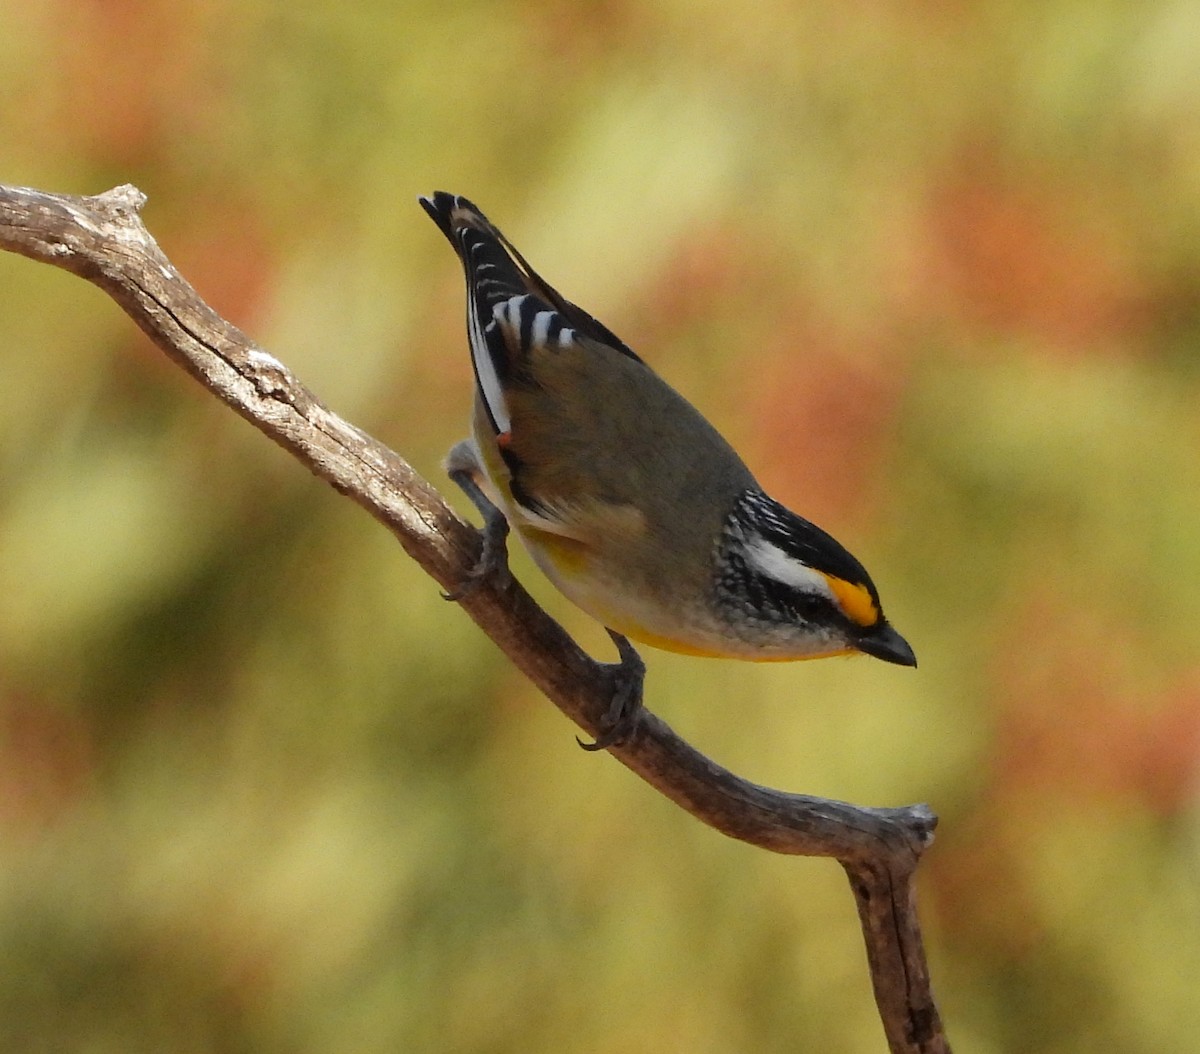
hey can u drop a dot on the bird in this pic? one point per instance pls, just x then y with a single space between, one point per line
628 500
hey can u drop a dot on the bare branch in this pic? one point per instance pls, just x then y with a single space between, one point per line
103 240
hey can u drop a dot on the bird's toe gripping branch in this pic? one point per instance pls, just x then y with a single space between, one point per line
625 708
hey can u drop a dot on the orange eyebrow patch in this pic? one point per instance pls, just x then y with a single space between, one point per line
855 600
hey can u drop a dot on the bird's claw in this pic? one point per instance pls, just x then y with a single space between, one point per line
492 563
625 708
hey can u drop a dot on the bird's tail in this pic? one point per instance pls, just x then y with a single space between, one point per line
496 272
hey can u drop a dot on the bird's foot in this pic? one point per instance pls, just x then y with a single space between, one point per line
625 708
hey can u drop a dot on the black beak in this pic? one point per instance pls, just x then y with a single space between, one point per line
885 643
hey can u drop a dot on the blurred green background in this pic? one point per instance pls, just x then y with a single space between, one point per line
933 267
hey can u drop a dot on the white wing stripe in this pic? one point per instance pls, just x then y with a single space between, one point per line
485 370
541 326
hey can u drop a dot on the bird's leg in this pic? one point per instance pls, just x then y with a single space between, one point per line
625 707
462 466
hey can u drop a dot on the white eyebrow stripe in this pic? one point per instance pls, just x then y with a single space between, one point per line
772 562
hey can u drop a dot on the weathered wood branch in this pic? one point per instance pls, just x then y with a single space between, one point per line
102 239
